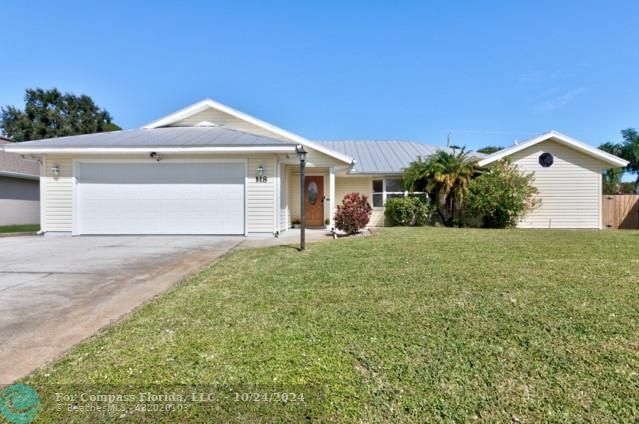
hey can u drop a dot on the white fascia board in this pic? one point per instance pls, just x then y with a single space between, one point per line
562 139
209 103
133 150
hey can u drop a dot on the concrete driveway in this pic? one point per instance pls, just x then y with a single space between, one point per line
56 291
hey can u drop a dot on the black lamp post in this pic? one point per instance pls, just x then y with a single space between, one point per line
301 153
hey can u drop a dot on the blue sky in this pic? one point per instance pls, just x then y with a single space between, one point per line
490 72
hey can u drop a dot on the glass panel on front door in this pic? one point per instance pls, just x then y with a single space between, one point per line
312 193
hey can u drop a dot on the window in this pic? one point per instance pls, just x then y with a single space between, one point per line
546 160
387 189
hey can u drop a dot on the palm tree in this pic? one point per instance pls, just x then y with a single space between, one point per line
446 176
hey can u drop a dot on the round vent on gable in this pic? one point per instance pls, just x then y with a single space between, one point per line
546 160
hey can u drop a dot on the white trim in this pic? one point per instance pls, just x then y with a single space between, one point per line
331 193
133 150
178 160
287 207
600 189
42 196
560 138
75 213
209 103
75 202
246 183
278 189
404 193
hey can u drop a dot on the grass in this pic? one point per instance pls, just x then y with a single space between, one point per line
6 229
410 325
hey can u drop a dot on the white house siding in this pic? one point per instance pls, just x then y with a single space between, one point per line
57 201
226 120
569 190
261 200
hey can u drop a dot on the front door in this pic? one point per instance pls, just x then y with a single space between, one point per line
314 200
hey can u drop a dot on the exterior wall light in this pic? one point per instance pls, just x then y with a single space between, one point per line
260 171
55 170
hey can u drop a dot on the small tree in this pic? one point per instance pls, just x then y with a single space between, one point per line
501 195
353 214
445 176
408 211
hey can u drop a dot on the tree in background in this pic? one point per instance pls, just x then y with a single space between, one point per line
612 177
628 150
501 195
446 177
49 113
488 150
631 152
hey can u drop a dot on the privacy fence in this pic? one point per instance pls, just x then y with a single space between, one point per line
620 211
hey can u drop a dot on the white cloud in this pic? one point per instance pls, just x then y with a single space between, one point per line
561 100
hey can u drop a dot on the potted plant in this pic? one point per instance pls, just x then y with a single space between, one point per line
296 223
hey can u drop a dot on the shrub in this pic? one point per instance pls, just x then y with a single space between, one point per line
500 196
353 214
405 211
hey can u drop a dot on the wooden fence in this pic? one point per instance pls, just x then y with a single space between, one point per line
620 211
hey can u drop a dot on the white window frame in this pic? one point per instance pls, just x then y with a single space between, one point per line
385 193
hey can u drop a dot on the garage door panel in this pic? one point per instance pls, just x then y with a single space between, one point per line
161 198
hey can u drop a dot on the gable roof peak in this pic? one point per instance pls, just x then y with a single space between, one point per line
559 137
210 103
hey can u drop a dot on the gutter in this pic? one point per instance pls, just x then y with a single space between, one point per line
146 150
19 175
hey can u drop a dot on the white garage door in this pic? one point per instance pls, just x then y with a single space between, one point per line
160 198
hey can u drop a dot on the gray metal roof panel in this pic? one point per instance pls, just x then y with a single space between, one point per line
381 156
160 137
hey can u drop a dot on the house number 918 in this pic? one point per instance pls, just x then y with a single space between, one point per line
261 179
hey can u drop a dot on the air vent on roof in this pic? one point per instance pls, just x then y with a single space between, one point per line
205 124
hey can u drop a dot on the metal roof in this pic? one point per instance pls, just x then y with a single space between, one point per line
381 156
160 137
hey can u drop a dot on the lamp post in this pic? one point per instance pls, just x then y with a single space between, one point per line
301 153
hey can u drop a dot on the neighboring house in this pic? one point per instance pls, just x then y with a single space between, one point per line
210 169
19 188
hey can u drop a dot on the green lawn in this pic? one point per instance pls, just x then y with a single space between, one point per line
19 229
409 325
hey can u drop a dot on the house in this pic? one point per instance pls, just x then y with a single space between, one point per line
211 169
567 174
19 188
